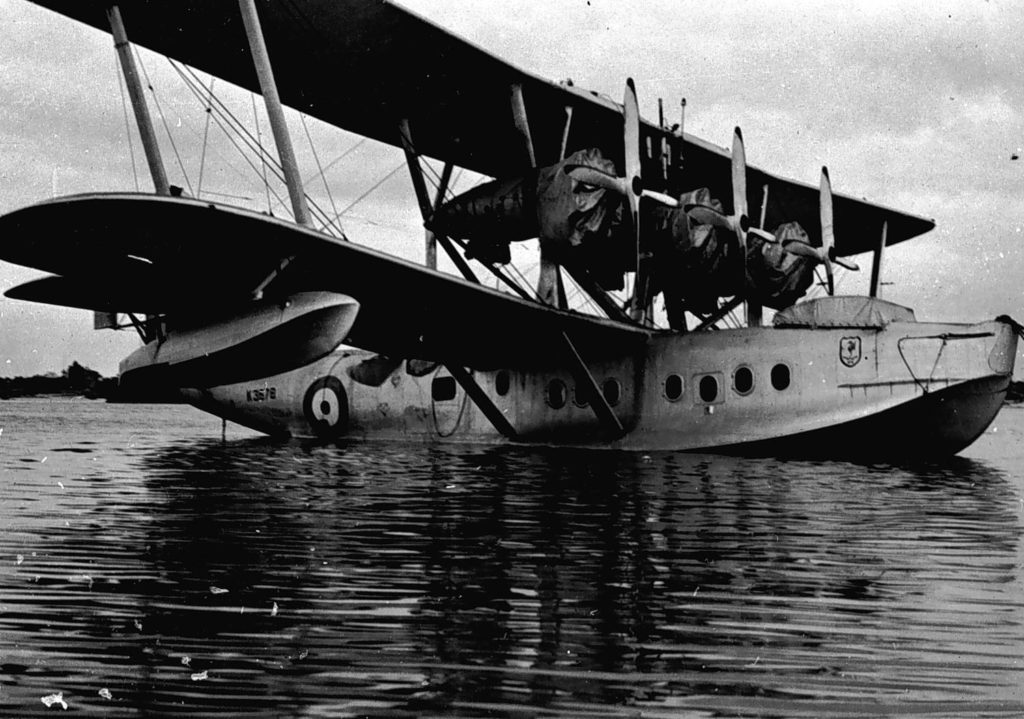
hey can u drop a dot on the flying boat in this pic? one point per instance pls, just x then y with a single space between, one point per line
290 327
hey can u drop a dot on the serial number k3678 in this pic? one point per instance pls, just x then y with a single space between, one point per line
260 394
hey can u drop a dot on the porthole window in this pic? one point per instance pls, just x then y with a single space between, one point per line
780 376
579 396
743 380
707 388
502 381
442 389
612 391
673 387
557 393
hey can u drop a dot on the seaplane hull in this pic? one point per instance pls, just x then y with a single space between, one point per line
908 389
253 333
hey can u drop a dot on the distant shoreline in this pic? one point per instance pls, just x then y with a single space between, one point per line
79 381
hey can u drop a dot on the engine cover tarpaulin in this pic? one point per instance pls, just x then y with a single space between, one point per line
570 212
839 312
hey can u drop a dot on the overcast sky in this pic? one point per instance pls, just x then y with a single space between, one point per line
916 105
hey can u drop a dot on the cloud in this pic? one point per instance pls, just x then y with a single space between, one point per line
917 106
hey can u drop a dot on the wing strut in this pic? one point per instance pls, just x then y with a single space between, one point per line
550 289
481 400
522 123
142 118
876 261
430 251
718 314
412 159
565 132
268 87
581 373
144 123
755 310
427 210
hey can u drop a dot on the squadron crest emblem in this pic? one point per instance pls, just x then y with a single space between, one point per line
849 351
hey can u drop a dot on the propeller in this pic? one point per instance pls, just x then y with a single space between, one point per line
826 254
605 180
738 221
631 154
629 186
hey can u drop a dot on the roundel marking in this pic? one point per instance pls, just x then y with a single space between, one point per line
326 407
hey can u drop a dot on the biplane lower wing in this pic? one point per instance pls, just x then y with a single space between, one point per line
455 98
186 259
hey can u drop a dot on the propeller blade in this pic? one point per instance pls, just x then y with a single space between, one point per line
766 236
828 238
661 197
634 184
796 247
739 202
739 174
846 263
704 215
597 178
600 178
631 147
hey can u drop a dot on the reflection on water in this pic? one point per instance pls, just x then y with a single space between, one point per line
189 576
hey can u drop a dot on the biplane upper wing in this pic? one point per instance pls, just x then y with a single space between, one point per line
364 65
189 259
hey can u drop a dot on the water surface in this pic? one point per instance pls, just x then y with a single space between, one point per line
149 568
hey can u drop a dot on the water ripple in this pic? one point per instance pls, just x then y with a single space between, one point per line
188 576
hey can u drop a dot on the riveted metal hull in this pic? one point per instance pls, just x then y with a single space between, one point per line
908 389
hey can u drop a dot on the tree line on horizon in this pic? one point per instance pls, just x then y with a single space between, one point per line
77 380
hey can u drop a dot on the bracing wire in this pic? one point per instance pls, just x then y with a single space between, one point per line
163 121
202 98
215 102
366 194
223 115
206 137
523 281
259 141
578 292
217 118
333 162
319 167
454 181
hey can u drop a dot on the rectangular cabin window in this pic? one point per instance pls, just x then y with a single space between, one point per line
442 389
